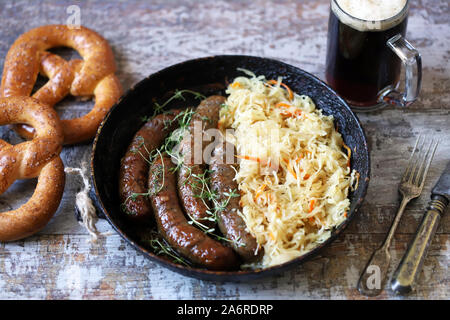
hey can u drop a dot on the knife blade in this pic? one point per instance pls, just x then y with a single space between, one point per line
405 277
442 187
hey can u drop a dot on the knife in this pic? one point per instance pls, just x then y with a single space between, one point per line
405 277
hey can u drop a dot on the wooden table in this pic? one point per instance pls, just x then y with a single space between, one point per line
147 36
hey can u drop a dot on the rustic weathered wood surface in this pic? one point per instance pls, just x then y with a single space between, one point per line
147 36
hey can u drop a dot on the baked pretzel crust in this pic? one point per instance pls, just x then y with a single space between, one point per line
26 159
34 215
92 76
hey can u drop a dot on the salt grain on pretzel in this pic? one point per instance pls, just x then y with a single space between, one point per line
26 159
94 75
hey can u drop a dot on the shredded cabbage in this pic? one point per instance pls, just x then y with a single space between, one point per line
293 174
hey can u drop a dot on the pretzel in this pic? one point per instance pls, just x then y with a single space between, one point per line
26 159
92 76
37 212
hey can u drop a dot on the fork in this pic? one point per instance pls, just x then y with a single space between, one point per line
374 275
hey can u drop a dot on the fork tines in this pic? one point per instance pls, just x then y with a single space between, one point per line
421 156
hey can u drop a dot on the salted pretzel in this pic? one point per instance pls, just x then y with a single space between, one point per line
92 76
26 159
38 157
34 215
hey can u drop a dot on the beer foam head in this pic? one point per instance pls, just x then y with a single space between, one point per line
375 13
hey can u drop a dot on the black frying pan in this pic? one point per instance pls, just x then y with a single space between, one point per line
210 76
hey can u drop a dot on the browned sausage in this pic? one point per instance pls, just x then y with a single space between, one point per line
231 224
189 186
187 240
134 166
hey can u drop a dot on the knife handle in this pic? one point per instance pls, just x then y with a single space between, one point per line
404 278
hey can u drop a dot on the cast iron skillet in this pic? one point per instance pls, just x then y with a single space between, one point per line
210 75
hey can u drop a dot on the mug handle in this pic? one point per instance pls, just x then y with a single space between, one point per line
412 61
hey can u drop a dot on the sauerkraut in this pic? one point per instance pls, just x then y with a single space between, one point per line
294 174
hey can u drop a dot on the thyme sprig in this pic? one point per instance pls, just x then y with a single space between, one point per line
158 176
178 95
137 149
161 248
169 147
206 194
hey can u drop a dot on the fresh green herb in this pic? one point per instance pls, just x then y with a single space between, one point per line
224 107
132 197
137 149
124 208
178 95
160 248
167 123
201 184
171 144
183 119
159 177
205 118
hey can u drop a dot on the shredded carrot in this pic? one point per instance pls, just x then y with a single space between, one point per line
286 109
250 158
290 168
300 157
256 159
272 236
260 191
282 104
345 214
292 171
235 85
311 205
271 198
349 154
306 176
290 93
297 112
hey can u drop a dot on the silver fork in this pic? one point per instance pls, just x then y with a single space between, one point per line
374 275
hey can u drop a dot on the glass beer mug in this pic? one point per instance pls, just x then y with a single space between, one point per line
365 52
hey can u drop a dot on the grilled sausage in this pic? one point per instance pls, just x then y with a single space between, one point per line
231 224
134 165
189 186
186 239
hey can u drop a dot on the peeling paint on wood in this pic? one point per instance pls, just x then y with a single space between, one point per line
147 36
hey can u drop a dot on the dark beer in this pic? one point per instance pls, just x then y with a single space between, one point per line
359 63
